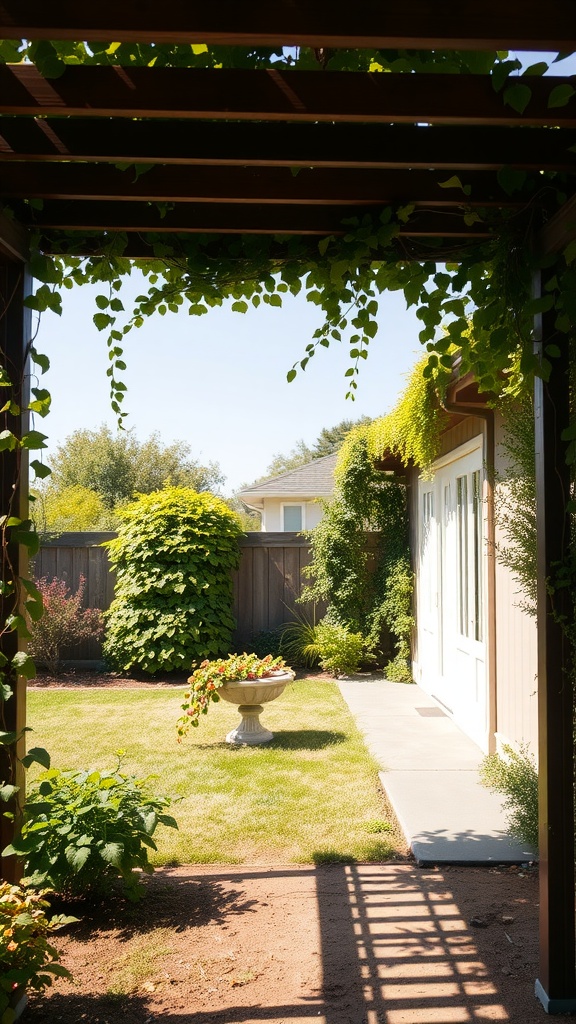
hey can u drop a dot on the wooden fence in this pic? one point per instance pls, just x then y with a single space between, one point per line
265 586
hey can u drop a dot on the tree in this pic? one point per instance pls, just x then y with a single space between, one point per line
71 508
113 467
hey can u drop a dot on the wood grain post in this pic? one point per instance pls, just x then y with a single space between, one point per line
556 985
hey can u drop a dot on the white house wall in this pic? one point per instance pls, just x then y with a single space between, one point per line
516 654
513 691
272 517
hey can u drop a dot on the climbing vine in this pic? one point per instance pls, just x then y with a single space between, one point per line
371 591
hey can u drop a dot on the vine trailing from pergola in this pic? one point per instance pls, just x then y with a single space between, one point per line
473 293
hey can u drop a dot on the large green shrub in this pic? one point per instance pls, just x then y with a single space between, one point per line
173 558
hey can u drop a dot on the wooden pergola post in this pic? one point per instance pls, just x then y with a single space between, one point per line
556 984
15 325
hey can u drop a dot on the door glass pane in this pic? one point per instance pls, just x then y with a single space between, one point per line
292 518
477 553
462 546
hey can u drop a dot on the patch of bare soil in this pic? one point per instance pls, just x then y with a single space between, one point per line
341 944
82 678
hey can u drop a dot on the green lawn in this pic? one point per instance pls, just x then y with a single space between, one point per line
312 794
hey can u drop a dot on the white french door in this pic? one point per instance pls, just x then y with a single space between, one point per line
451 597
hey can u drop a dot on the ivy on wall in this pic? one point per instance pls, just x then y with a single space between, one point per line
375 596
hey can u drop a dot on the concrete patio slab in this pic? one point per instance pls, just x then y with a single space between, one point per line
429 770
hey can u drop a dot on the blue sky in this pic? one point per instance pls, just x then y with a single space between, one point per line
218 382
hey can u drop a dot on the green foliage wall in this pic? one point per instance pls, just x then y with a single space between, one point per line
376 599
173 558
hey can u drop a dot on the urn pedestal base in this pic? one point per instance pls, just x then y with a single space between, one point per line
250 695
250 730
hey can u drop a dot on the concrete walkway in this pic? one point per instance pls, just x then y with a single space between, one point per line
430 774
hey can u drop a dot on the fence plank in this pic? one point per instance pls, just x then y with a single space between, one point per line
266 584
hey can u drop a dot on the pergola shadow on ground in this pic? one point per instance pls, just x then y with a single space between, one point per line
381 943
360 140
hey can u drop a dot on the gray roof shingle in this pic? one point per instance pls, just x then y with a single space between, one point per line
314 480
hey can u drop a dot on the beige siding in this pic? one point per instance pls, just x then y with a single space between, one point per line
516 655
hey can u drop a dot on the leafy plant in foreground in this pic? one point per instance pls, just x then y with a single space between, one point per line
515 776
82 829
63 624
27 958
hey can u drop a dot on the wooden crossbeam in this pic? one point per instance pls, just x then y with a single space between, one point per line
416 25
244 218
274 96
229 143
320 186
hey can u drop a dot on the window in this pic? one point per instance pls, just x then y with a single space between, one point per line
293 518
469 553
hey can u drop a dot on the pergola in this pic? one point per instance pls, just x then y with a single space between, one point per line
288 152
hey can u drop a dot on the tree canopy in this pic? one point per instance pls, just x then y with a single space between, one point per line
96 471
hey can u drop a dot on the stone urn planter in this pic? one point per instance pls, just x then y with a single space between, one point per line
250 695
246 680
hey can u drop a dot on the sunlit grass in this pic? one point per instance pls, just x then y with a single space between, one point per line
312 794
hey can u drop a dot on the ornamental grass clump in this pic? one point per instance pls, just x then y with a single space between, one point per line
205 682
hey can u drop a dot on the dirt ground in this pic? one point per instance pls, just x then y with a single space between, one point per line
342 944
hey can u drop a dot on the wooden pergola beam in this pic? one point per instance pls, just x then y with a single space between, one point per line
390 146
316 23
321 186
274 95
243 218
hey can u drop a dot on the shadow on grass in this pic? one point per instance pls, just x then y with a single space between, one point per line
295 739
306 739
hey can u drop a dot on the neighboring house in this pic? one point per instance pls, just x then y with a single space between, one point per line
475 648
289 502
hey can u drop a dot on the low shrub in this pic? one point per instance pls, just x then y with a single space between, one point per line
27 958
63 624
267 641
82 829
338 650
515 777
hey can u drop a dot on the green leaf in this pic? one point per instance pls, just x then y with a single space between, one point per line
536 69
41 360
454 182
102 320
40 469
8 441
561 95
22 664
113 853
291 375
511 180
36 755
7 792
518 96
33 440
77 856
